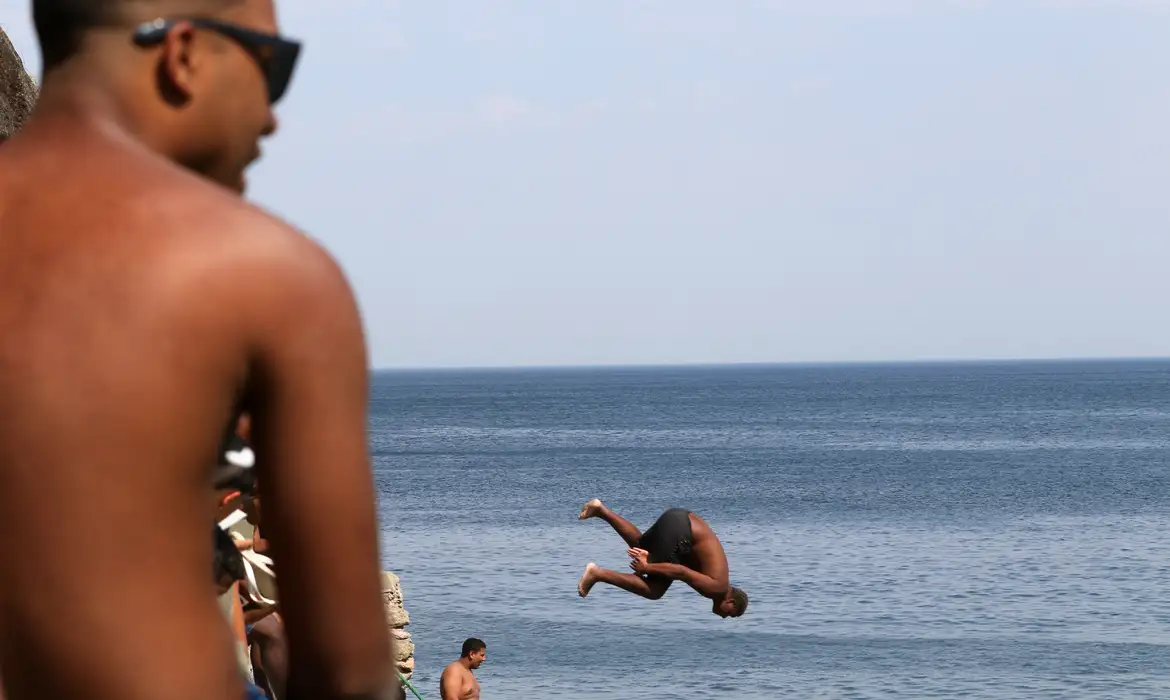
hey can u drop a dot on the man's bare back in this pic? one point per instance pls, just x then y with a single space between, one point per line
141 305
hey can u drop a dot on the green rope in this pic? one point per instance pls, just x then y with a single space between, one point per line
408 685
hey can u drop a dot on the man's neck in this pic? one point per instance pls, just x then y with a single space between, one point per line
465 662
83 97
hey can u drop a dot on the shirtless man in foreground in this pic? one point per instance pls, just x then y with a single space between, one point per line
458 682
679 546
143 303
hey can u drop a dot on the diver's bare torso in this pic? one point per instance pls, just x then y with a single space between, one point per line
707 550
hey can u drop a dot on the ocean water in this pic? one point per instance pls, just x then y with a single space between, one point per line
903 531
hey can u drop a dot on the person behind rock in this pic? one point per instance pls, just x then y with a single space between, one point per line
227 563
458 680
228 568
250 504
263 629
236 457
264 625
144 302
269 649
679 546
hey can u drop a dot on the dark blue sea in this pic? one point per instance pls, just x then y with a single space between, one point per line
903 531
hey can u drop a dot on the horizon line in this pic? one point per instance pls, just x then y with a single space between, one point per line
793 364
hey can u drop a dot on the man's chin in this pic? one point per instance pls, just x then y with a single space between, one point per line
237 184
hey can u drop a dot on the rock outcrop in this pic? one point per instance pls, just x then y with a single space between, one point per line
397 619
18 91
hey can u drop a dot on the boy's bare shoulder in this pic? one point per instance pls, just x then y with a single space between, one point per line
227 237
224 253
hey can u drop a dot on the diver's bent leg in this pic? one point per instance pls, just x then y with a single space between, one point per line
596 509
631 534
650 588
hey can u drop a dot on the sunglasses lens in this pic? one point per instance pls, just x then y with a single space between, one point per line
280 70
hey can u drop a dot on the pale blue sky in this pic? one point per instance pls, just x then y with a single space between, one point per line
624 181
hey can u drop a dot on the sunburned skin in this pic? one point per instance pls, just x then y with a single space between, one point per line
150 300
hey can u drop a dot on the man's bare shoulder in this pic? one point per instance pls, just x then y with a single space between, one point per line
234 232
197 259
236 252
455 669
132 193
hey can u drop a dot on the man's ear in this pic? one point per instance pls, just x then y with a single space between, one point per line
178 64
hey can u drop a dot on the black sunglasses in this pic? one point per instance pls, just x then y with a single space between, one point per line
276 55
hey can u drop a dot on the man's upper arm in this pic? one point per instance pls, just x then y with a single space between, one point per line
702 582
449 685
308 390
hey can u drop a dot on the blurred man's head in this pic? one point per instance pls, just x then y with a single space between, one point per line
475 651
227 563
244 426
193 79
250 504
235 470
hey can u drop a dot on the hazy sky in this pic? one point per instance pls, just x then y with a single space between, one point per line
653 181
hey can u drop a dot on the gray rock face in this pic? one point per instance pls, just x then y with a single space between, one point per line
18 91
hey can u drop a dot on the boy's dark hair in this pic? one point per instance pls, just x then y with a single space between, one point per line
227 560
233 478
473 645
740 599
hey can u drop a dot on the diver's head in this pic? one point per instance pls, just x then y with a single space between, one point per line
733 604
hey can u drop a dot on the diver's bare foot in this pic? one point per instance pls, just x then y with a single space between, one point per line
592 509
587 579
